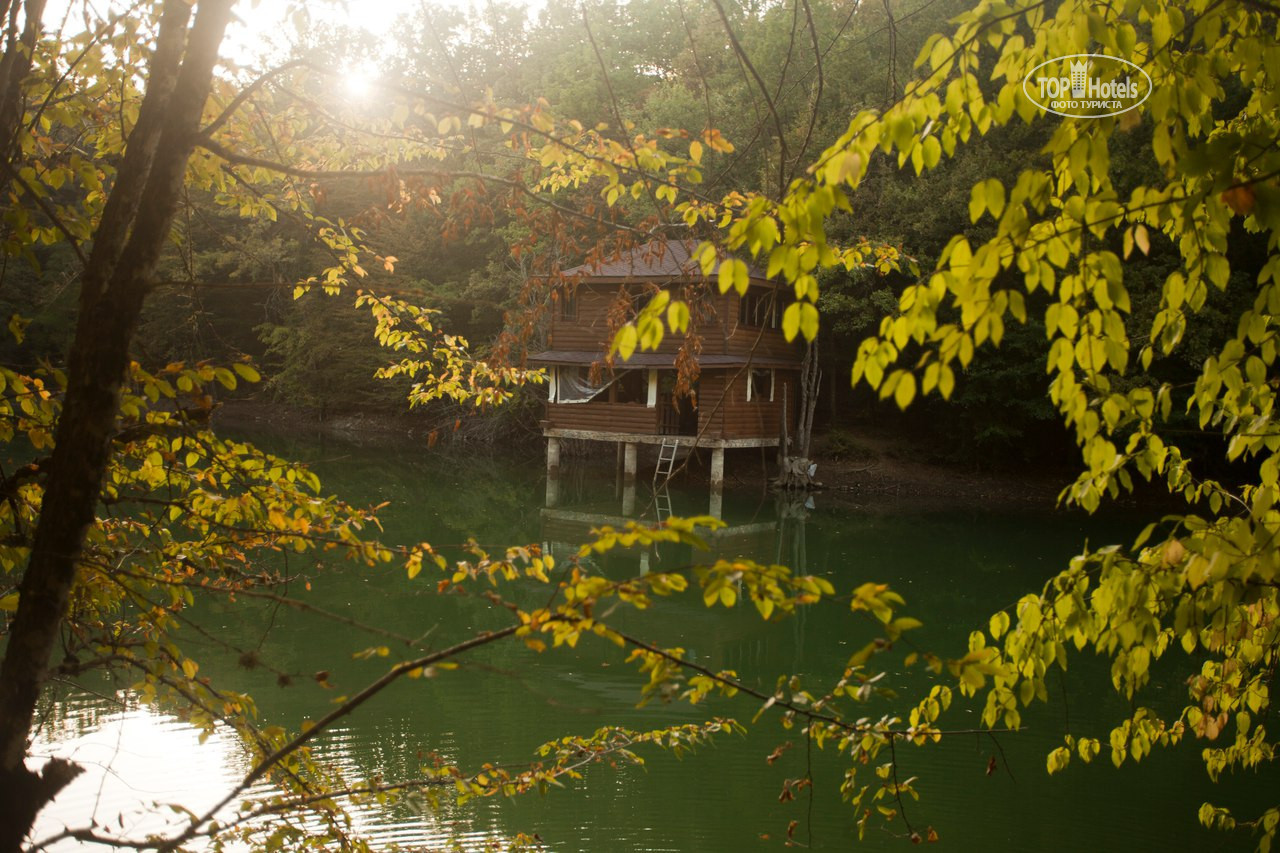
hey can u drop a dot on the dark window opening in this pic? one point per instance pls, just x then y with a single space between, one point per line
569 304
640 297
758 308
759 385
631 387
678 415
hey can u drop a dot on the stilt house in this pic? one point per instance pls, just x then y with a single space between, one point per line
747 381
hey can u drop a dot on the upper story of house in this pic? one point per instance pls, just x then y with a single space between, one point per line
595 299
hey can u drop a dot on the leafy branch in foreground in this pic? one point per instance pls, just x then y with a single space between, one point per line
304 805
1064 235
1190 179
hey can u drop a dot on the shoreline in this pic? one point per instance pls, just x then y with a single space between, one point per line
881 469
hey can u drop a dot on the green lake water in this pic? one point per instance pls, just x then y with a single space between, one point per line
953 566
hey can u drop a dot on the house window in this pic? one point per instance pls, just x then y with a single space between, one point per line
757 308
759 385
632 386
568 303
574 385
640 297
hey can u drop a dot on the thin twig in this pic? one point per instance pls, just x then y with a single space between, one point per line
268 762
47 209
764 91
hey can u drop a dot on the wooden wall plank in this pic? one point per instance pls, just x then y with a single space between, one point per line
607 417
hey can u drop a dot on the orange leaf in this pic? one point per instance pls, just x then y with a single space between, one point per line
1239 199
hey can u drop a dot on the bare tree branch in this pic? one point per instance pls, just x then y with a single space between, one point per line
697 63
267 763
893 52
764 91
816 104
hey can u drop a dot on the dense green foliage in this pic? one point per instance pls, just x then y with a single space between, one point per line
230 278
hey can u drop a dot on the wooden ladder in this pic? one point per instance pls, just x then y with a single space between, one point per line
666 461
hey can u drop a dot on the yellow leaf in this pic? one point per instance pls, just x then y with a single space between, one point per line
906 390
624 344
1142 239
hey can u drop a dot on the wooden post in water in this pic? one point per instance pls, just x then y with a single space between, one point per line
618 464
629 479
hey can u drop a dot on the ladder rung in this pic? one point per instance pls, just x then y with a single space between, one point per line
662 503
666 459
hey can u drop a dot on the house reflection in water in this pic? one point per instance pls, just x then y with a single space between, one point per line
773 532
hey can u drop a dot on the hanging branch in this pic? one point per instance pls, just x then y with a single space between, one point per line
817 94
764 92
617 114
893 53
269 762
697 63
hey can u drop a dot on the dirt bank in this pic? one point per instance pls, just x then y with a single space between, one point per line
867 465
258 413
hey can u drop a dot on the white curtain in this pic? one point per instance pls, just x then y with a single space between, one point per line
573 385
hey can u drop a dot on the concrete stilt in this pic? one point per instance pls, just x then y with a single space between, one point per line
717 482
716 509
629 465
629 498
553 457
553 472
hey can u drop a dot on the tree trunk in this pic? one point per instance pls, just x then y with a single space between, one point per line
795 462
810 388
15 65
127 245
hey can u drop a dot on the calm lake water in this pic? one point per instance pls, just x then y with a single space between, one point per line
954 568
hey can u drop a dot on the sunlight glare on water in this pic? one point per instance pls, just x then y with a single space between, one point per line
139 762
136 762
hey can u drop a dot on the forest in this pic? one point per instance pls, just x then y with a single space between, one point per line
663 72
374 227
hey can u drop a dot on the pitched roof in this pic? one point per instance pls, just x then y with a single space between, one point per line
655 359
655 259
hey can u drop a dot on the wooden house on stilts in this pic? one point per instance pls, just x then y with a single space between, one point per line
746 387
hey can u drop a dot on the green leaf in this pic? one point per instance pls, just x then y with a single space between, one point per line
977 201
808 320
791 321
724 278
678 316
624 343
994 194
